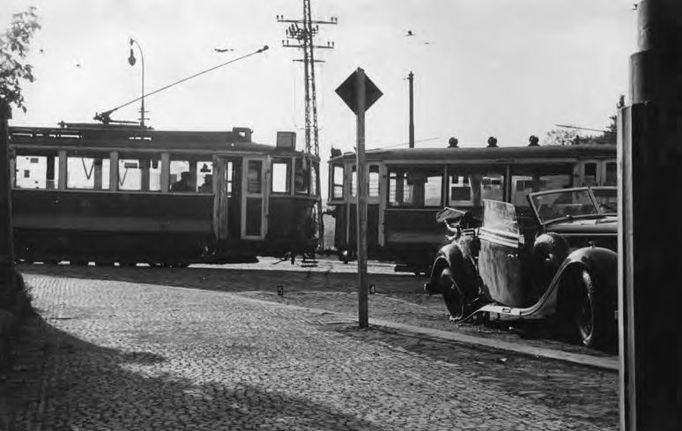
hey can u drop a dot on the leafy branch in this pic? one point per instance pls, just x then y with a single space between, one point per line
14 47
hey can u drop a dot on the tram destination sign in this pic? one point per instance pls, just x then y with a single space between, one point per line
349 94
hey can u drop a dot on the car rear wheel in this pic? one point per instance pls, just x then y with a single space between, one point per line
452 294
582 311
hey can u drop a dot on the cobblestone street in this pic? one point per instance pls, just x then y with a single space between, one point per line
112 354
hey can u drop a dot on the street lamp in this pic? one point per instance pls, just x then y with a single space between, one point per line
131 61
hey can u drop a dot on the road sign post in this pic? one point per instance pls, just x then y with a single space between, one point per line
360 93
363 312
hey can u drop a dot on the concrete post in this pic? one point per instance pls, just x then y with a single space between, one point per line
650 192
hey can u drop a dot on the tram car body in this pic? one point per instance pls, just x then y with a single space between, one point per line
111 193
408 186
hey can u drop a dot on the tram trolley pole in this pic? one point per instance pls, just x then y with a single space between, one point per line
359 93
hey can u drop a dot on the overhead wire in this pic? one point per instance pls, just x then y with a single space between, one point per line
104 116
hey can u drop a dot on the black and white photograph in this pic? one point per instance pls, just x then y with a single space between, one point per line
365 215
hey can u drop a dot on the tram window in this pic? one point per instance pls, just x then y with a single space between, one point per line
373 181
468 189
254 176
254 208
229 177
492 187
43 172
460 189
354 182
181 179
611 177
87 173
302 177
280 175
415 187
313 178
527 180
590 174
204 170
337 182
139 174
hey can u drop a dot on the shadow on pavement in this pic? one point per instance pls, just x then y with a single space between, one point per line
581 392
302 288
96 387
233 280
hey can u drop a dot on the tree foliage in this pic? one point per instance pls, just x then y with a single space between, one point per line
573 137
14 47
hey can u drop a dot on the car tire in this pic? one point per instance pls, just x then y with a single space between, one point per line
591 314
583 312
452 294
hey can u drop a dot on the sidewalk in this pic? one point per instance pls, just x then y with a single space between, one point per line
124 356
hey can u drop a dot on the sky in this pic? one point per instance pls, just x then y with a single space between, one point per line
503 68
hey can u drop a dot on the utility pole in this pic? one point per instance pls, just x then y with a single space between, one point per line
650 155
410 78
303 32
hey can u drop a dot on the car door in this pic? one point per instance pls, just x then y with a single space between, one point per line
499 261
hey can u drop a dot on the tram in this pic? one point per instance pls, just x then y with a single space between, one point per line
108 193
408 186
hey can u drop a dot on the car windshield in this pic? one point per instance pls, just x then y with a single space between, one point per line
564 204
607 199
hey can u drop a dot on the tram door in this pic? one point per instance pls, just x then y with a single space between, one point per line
254 198
227 201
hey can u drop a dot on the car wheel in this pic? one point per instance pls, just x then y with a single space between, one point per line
589 312
452 294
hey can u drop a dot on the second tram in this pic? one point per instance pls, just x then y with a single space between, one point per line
408 186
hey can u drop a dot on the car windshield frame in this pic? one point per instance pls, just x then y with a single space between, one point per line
614 211
534 198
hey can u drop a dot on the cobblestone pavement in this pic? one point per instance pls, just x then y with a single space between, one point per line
117 355
330 285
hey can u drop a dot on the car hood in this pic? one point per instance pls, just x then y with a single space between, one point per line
587 226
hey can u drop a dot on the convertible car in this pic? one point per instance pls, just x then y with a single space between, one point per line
555 259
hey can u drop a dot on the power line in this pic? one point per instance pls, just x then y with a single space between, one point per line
105 117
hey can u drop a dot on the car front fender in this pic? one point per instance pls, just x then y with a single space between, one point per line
451 256
601 263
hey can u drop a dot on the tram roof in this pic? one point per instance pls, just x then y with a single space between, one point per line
95 136
447 154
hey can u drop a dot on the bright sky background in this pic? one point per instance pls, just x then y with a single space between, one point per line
507 68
